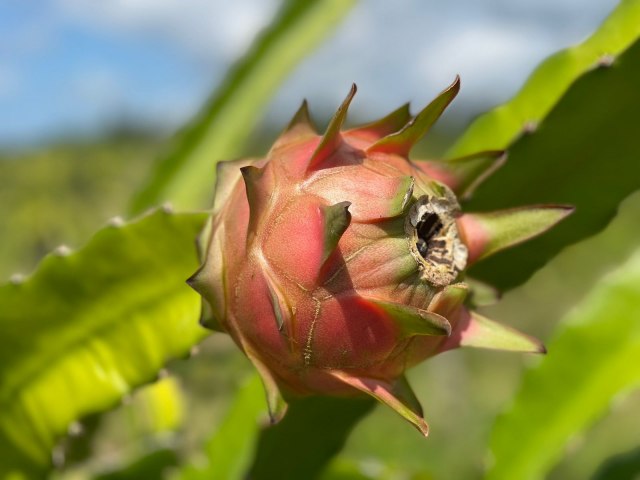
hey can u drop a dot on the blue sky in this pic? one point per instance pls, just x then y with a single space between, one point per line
77 66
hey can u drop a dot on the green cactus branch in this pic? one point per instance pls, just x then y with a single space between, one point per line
500 127
583 154
89 326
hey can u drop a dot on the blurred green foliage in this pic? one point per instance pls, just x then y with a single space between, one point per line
228 453
195 425
61 193
590 362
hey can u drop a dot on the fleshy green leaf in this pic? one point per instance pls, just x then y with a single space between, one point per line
186 175
585 154
594 358
89 326
549 82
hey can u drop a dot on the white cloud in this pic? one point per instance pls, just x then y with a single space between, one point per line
492 59
204 27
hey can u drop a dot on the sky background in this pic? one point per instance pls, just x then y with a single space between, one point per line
78 67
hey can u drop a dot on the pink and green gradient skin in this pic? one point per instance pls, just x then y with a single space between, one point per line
310 264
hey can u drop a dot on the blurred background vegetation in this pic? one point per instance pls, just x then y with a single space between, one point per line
58 185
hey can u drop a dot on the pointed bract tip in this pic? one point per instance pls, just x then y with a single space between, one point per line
401 143
336 220
456 83
478 331
197 280
276 403
251 174
396 394
302 119
332 139
257 194
488 233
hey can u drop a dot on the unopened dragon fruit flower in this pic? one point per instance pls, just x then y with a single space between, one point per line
336 263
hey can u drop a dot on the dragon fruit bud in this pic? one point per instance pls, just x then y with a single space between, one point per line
336 263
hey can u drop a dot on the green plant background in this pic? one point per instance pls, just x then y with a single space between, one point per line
574 414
